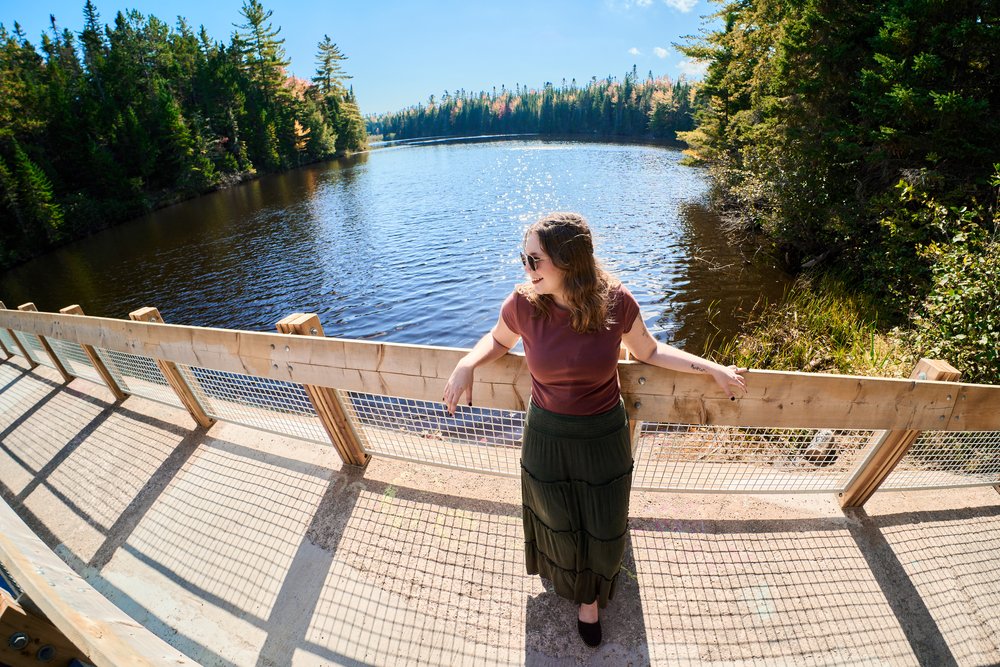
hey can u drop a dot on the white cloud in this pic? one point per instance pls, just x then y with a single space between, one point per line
660 52
633 51
681 5
693 68
625 5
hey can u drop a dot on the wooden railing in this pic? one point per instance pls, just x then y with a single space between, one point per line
898 409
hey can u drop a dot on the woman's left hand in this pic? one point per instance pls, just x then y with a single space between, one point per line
730 378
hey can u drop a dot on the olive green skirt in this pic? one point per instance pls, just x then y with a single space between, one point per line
576 474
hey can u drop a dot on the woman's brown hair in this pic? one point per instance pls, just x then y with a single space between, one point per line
566 239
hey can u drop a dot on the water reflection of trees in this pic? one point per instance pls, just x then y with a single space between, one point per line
718 276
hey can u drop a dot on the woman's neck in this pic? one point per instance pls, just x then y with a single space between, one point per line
560 300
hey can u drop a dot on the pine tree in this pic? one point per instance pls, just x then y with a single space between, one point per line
95 46
262 51
351 134
330 75
41 215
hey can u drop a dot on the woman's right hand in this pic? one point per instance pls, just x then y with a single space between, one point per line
459 383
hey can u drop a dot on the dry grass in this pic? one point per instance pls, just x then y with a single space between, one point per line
820 326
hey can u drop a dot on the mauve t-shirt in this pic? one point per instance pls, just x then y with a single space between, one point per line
571 373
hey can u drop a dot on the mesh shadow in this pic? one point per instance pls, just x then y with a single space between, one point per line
851 590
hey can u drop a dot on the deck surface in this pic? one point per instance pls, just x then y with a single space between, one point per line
245 548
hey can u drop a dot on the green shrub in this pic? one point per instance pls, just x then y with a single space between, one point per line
959 320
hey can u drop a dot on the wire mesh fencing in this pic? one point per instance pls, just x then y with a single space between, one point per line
139 375
268 405
939 459
8 342
479 439
34 347
75 360
687 457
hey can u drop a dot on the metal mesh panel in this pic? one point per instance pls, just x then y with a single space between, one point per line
948 459
34 348
269 405
8 342
75 360
139 375
684 457
479 439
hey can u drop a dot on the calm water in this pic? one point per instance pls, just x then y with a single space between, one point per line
417 244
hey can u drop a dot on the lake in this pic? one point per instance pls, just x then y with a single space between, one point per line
414 244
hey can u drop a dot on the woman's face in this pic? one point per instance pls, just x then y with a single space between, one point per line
546 278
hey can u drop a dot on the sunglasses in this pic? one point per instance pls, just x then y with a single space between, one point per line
530 262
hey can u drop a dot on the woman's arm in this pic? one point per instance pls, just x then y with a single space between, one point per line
645 348
492 346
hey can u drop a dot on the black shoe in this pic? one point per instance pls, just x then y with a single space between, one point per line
590 632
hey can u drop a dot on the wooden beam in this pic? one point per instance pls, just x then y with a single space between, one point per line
99 629
56 361
893 445
325 400
95 359
173 374
17 341
27 640
775 398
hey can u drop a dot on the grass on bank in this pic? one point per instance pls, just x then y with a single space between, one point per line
819 326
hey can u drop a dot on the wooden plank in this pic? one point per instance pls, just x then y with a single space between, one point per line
325 400
95 359
787 399
173 375
17 341
101 631
56 361
893 445
977 406
26 640
775 398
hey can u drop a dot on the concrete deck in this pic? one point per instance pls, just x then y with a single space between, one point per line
244 548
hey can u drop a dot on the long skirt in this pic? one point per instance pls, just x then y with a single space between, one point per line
576 473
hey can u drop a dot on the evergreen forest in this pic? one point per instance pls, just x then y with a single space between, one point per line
651 108
101 126
863 138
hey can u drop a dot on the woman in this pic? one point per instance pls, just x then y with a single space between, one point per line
576 454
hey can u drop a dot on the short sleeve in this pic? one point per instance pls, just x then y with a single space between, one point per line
628 307
508 311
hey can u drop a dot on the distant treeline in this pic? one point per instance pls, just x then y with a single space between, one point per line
654 107
866 136
100 126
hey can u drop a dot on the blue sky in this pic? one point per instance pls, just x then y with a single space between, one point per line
402 52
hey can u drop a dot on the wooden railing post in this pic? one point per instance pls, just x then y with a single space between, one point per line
173 374
56 361
95 359
893 445
17 341
7 353
325 400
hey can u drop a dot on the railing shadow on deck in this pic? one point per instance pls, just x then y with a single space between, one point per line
280 555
